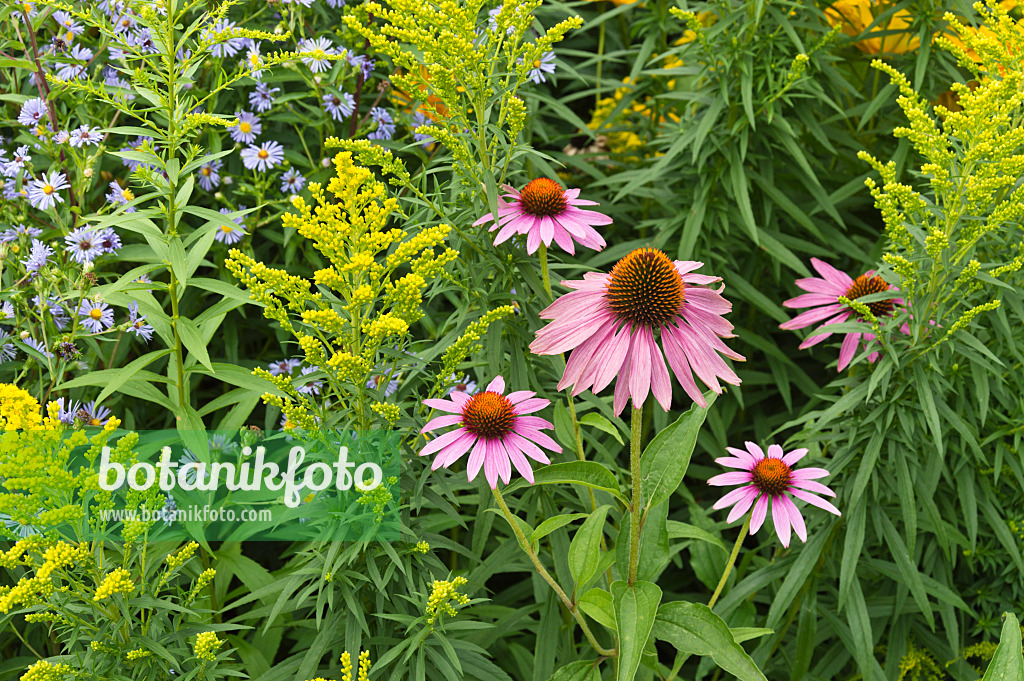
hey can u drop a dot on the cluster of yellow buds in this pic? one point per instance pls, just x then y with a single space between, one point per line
118 581
206 646
442 596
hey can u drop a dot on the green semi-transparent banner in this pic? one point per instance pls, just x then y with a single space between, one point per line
215 485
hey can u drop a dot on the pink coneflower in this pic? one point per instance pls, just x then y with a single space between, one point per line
495 427
771 477
611 322
823 298
544 211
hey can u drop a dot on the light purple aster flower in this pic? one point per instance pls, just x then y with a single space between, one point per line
142 40
292 182
313 387
77 70
546 64
67 415
68 25
108 241
42 193
209 174
38 346
32 112
54 308
226 234
363 63
252 61
263 157
14 233
8 351
262 98
335 4
284 367
84 136
320 49
227 47
61 137
94 415
248 128
97 317
11 191
38 256
6 311
418 119
18 161
119 196
137 323
340 106
380 382
385 124
83 245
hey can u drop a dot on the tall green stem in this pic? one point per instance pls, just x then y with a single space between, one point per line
732 561
635 501
524 543
545 278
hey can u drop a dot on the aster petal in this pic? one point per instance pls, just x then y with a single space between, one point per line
812 486
831 274
676 356
735 496
743 504
501 460
454 451
476 458
733 462
532 405
750 459
759 513
796 518
519 395
491 464
812 316
442 441
848 350
810 300
733 478
794 456
496 386
755 450
780 518
514 440
814 501
444 405
441 422
640 371
808 474
661 384
520 462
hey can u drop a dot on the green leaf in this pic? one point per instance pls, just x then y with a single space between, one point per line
129 371
582 670
1008 661
694 630
741 634
598 604
193 340
665 460
585 549
552 524
635 610
601 423
588 473
679 530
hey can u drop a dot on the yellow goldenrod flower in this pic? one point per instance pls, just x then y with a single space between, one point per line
18 409
206 646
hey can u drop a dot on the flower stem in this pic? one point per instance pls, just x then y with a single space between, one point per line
635 500
732 561
544 277
525 545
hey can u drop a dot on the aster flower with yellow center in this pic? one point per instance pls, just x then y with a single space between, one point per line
497 430
543 212
772 478
612 323
823 299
